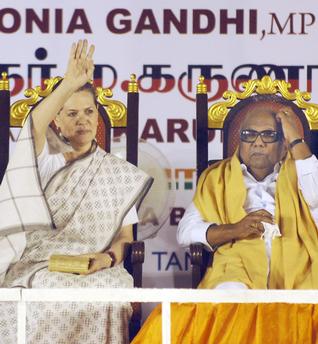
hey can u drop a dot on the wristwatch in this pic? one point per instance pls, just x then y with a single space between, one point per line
295 142
112 257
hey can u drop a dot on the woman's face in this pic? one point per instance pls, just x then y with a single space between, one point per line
78 119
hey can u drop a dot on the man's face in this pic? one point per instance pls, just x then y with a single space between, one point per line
259 157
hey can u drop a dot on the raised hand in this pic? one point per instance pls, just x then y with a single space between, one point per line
80 66
288 120
293 134
79 71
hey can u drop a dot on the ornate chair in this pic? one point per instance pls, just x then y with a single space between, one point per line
113 114
227 116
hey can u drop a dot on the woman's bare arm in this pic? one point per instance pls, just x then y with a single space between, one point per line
103 260
79 71
125 236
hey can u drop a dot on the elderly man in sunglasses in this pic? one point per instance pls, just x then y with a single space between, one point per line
258 210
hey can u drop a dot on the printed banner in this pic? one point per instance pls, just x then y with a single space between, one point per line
168 45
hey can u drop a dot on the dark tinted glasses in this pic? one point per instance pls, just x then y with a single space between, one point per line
267 136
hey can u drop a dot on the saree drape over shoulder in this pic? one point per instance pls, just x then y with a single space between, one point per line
81 211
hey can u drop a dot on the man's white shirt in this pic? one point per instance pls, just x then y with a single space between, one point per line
260 195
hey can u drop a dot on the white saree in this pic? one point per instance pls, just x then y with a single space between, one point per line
86 202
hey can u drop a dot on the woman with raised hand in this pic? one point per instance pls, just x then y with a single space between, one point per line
85 202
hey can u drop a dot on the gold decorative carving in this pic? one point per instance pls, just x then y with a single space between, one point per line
133 85
4 82
116 110
20 110
201 86
218 111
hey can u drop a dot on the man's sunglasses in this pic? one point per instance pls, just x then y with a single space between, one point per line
267 136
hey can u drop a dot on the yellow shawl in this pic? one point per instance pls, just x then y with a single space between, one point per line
220 197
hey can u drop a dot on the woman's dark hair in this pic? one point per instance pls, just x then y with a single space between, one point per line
88 87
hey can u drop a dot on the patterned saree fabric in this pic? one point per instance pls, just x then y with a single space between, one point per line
87 201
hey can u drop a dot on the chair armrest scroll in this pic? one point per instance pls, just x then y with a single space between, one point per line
137 252
135 256
201 257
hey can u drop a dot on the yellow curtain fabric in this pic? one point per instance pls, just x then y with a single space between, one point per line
235 323
220 197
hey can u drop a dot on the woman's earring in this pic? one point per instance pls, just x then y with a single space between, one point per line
62 137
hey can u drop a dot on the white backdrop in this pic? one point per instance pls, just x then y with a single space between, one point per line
275 37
